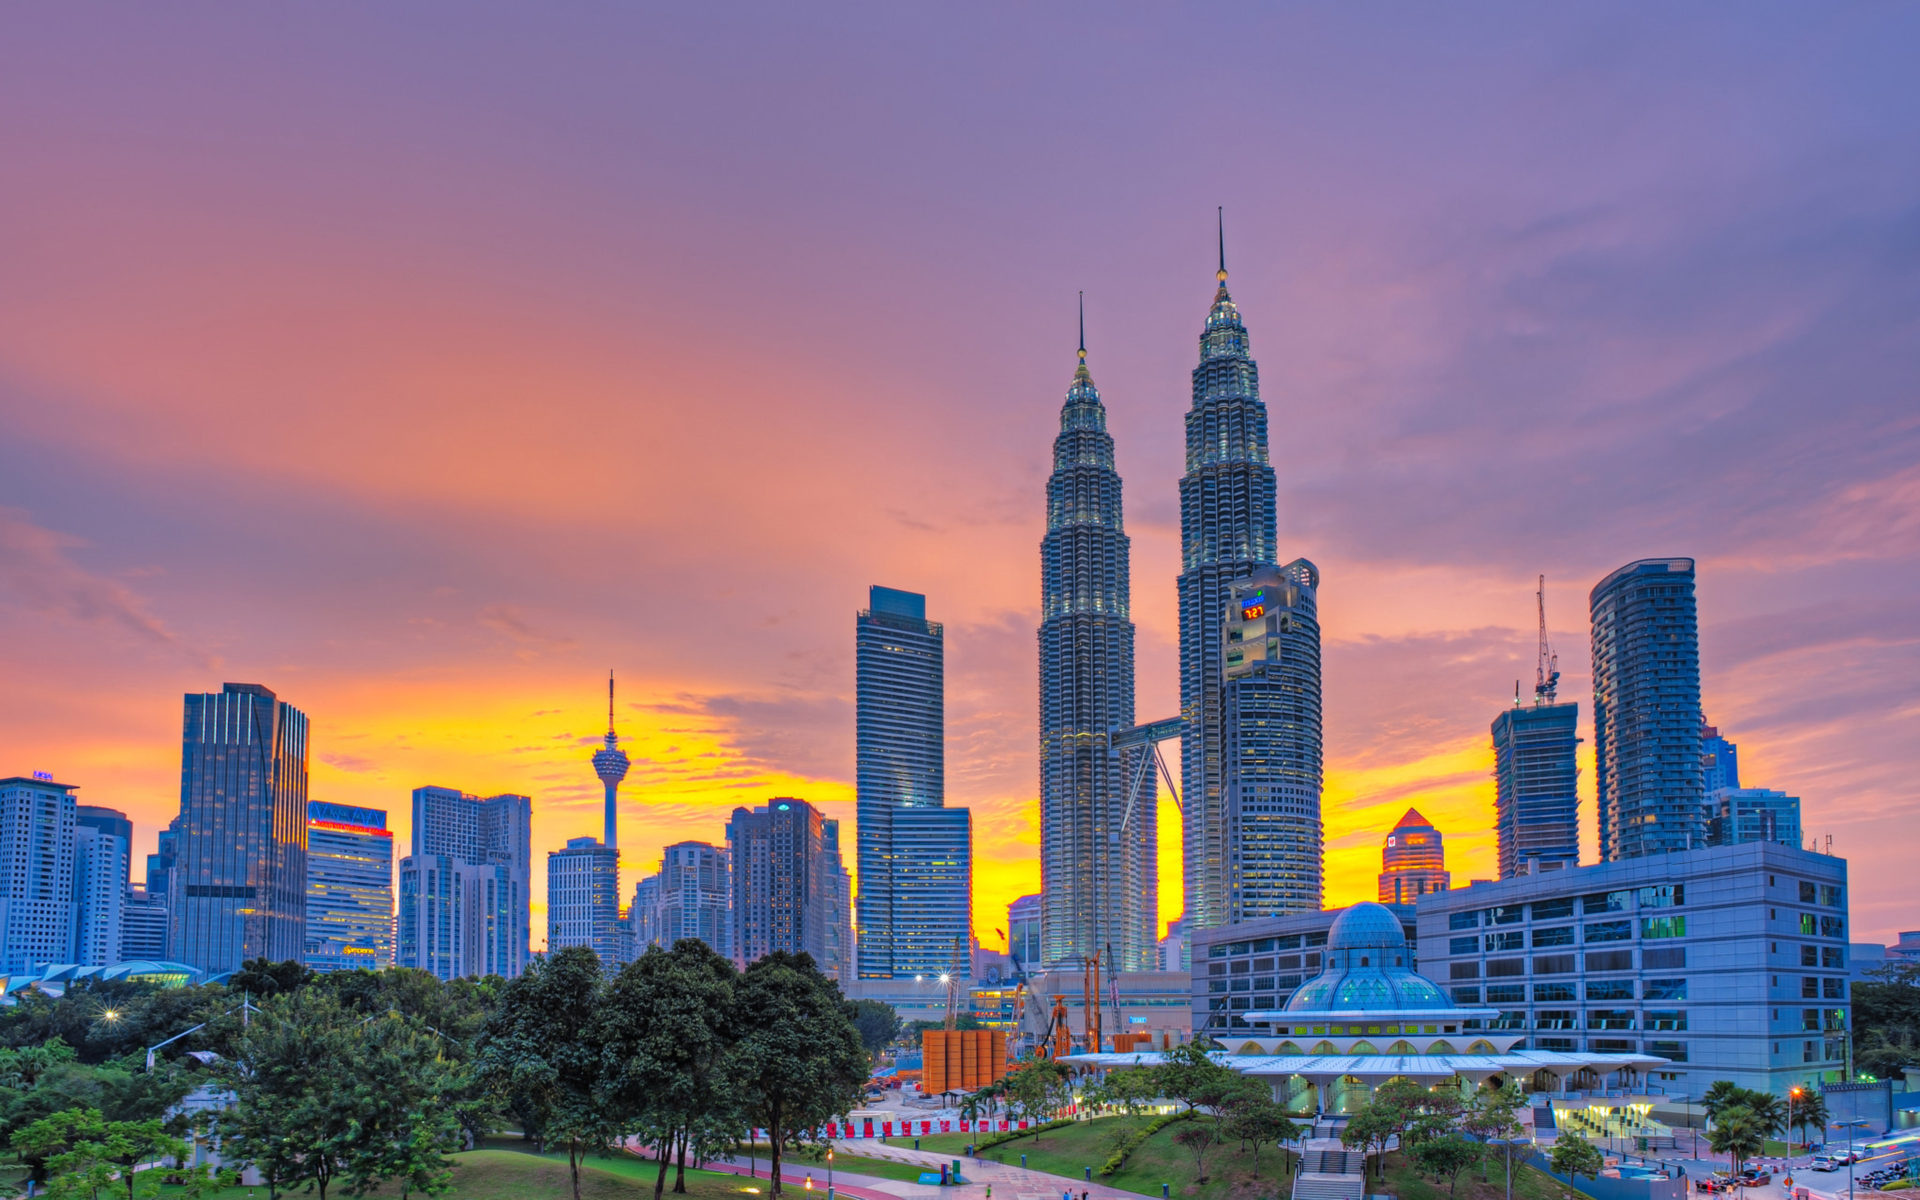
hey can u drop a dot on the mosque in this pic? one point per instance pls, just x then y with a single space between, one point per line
1368 1017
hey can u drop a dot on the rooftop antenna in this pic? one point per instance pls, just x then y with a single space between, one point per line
1221 214
1546 677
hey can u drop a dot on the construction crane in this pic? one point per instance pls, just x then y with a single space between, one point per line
1090 1001
1546 672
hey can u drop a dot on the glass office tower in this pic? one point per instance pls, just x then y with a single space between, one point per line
1271 749
1536 787
349 888
1646 710
239 881
1226 534
1099 880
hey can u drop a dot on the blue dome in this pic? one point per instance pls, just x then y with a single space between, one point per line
1366 968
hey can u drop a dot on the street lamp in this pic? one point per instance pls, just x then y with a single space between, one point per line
1793 1093
1850 1155
829 1173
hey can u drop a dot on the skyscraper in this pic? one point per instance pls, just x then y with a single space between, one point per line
239 880
900 776
1646 710
464 901
1719 760
349 888
841 949
583 900
1536 774
610 764
784 881
1099 880
99 893
143 925
36 872
687 898
113 822
933 890
1227 531
1413 861
1271 750
1023 931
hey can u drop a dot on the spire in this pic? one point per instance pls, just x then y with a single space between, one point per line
609 703
1083 327
1221 215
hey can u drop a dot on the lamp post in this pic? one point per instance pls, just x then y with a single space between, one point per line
1850 1125
829 1173
1793 1093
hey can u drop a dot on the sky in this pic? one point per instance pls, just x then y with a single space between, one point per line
426 363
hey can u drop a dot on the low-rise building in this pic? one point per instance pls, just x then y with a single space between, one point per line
1728 962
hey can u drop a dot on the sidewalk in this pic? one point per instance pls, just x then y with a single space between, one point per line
1008 1182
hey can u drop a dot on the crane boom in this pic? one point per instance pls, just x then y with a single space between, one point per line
1546 671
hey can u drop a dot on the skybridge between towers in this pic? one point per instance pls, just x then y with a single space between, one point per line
1148 738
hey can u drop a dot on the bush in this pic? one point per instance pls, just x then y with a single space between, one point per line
1898 1185
1118 1158
1011 1135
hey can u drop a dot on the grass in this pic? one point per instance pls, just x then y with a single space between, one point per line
489 1174
1407 1183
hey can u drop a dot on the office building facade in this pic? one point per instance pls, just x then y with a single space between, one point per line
933 891
785 883
900 776
689 897
840 957
238 886
1536 776
1729 962
36 872
349 888
114 823
1719 760
1646 710
143 926
99 891
1099 879
1227 532
1271 748
583 900
1413 861
465 908
1739 815
1023 932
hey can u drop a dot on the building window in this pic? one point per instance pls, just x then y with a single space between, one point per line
1810 987
1666 1021
1609 931
1663 927
1664 958
1665 989
1559 935
1553 993
1241 967
1808 893
1610 960
1809 956
1830 895
1463 920
1612 1046
1671 1051
1833 927
1562 1045
1466 995
1261 947
1663 895
1463 970
1506 967
1810 1020
1241 985
1506 914
1610 1018
1548 910
1507 993
1832 956
1604 902
1497 942
1553 964
1471 945
1510 1019
1554 1018
1612 989
1833 989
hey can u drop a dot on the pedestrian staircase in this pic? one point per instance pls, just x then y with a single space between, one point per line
1328 1171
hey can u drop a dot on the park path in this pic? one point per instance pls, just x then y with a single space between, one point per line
1007 1181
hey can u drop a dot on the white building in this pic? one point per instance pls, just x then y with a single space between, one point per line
36 872
99 896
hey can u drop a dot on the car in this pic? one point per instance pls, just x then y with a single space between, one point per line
1823 1163
1753 1177
1711 1185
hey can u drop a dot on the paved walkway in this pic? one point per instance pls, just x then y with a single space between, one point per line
1008 1182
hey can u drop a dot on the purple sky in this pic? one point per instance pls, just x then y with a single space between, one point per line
423 363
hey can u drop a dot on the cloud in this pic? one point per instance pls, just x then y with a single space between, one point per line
510 621
37 573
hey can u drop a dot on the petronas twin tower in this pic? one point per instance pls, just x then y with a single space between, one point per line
1098 837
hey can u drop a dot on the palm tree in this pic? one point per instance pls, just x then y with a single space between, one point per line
1724 1093
1737 1133
1809 1111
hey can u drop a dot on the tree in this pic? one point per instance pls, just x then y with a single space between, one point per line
1737 1133
669 1023
1257 1119
1574 1156
1493 1117
797 1060
1037 1087
1809 1112
542 1048
878 1023
260 978
406 1126
1369 1130
1197 1137
1720 1094
1188 1073
1131 1089
1446 1155
88 1155
300 1092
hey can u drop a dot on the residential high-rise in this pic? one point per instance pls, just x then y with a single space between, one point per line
583 899
900 776
1270 716
99 890
1227 531
687 898
1023 931
784 882
464 900
238 886
143 926
349 888
160 862
1099 877
1536 787
113 822
610 763
1738 815
838 957
1719 760
1646 710
1413 861
36 872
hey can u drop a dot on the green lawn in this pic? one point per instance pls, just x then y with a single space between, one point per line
1406 1183
518 1175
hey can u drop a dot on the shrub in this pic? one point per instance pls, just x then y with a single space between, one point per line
1011 1135
1118 1158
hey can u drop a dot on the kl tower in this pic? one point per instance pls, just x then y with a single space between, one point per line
610 764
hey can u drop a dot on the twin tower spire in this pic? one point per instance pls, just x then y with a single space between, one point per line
1220 215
